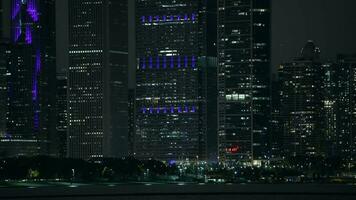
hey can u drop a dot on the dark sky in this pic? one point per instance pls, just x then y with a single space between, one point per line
331 24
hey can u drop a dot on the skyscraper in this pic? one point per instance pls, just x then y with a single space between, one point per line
301 103
346 110
30 76
339 87
97 91
243 79
3 85
170 79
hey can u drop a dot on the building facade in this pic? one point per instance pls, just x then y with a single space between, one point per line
301 103
171 47
339 107
243 79
97 79
30 78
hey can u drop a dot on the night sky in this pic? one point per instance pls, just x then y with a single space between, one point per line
331 24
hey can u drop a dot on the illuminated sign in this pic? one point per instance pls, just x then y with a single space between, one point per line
233 149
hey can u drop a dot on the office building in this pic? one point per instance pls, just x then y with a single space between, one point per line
301 103
30 77
339 87
97 79
171 47
244 31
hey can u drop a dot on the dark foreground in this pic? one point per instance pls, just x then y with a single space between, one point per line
184 192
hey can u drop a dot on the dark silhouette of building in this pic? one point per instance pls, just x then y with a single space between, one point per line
243 79
210 65
172 44
97 90
132 120
62 115
301 103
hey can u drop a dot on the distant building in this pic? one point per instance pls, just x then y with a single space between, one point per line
172 43
301 103
97 79
339 107
30 76
244 43
62 115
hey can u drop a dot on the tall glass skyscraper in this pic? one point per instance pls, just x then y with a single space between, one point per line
97 90
244 31
171 39
30 77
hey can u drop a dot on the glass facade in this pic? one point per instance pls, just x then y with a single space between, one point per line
97 91
243 79
30 78
339 87
170 99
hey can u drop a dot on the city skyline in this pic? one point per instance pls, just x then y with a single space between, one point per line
196 96
317 20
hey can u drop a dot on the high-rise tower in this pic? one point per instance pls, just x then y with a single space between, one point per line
30 78
171 39
244 78
301 103
97 78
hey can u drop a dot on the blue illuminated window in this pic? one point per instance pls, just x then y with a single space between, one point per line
179 109
150 62
164 62
143 63
193 17
178 60
193 62
172 61
157 62
172 109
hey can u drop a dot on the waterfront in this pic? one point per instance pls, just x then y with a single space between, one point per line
185 191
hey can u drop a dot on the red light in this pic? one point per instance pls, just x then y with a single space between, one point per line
233 149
